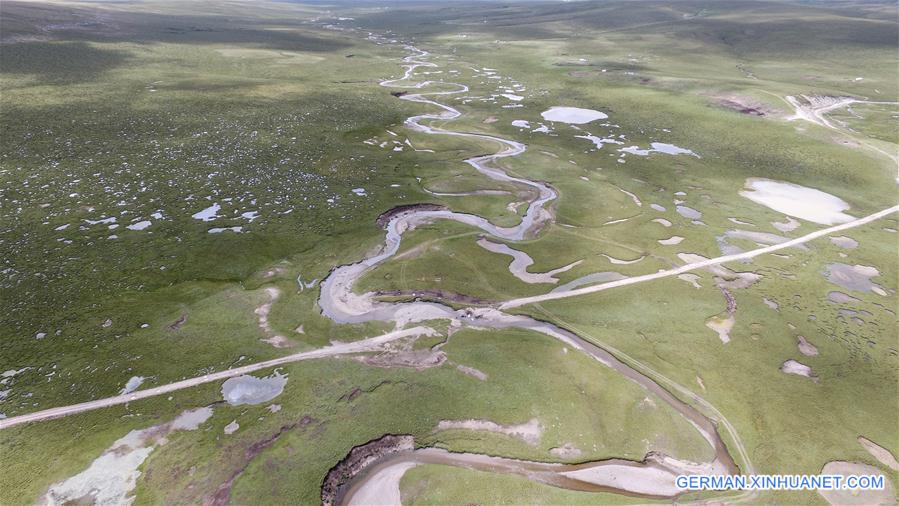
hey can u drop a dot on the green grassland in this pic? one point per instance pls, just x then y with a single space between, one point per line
174 128
157 110
392 400
666 82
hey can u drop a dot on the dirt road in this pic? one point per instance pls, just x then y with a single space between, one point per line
699 265
370 344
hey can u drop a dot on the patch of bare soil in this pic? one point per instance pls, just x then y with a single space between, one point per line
412 359
880 453
566 451
262 312
276 271
471 371
857 497
385 217
806 348
724 324
111 477
528 432
799 369
358 459
178 323
436 296
743 105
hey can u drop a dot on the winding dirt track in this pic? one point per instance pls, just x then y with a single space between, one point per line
817 108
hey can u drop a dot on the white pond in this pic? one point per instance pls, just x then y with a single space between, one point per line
797 201
658 147
219 230
103 221
598 141
854 277
208 214
253 390
132 384
688 212
572 115
139 225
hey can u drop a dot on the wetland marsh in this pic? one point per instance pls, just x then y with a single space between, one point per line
471 254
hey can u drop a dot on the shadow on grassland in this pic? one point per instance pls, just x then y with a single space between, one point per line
24 21
59 61
740 27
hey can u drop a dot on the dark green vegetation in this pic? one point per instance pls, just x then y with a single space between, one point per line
169 127
155 111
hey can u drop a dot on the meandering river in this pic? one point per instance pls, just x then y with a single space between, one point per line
654 477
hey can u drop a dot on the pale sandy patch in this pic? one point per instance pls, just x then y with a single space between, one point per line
691 278
806 348
566 451
529 432
471 371
618 261
671 241
262 313
405 356
722 326
797 368
857 497
642 480
880 453
631 195
700 383
111 477
383 489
